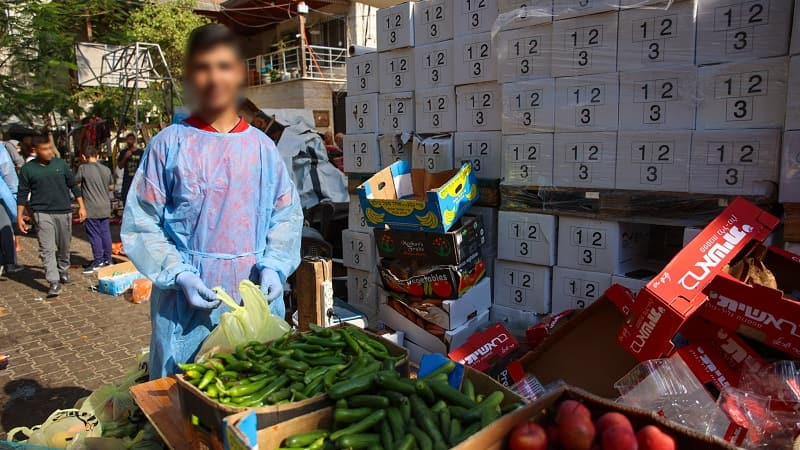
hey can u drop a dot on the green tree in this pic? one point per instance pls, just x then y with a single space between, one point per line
37 49
168 24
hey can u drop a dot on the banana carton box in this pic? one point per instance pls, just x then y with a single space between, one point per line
414 199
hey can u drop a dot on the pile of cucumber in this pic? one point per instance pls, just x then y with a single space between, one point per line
290 369
384 411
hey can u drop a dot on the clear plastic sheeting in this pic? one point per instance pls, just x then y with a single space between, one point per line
668 387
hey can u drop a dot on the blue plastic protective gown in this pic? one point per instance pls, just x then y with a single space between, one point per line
220 205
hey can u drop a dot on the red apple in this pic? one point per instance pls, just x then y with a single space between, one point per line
569 408
527 436
576 432
651 438
611 419
618 437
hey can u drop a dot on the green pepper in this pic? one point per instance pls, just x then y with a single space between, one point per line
277 396
208 377
259 397
215 364
306 347
369 368
212 391
323 342
351 386
327 361
330 376
445 368
195 374
305 439
311 389
360 426
247 389
351 343
192 366
280 352
468 389
286 363
297 395
314 373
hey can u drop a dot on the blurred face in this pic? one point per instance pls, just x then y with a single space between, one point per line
131 141
44 152
215 76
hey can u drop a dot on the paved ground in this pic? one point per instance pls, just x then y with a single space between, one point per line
62 348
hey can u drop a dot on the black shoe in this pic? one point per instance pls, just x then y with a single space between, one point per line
92 267
14 268
55 289
64 278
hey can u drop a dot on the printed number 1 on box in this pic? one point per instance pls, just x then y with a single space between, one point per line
737 89
651 158
519 283
584 292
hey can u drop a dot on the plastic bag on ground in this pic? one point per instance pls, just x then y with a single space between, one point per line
252 321
60 429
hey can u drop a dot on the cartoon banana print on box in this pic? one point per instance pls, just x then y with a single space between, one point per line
434 210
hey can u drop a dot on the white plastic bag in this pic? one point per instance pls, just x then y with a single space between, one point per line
251 322
60 429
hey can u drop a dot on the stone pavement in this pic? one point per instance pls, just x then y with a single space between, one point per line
62 348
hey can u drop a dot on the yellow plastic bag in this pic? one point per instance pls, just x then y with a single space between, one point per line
251 322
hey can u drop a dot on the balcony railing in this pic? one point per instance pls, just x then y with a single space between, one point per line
322 63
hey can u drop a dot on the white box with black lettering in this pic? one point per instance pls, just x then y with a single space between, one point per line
433 153
528 106
479 107
481 149
600 245
653 160
527 159
656 37
434 65
577 289
522 286
585 160
735 162
585 45
435 110
658 99
587 103
527 237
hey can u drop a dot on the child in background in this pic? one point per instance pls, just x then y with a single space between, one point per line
96 182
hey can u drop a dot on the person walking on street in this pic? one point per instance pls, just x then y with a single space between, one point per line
129 163
49 181
96 182
8 251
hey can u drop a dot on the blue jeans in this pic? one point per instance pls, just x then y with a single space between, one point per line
99 233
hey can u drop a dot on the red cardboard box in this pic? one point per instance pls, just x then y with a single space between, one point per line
756 311
442 282
676 293
493 351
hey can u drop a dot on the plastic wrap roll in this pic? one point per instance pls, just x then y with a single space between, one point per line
358 50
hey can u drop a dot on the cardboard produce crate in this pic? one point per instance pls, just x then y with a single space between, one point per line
417 200
209 414
117 278
450 248
495 436
241 431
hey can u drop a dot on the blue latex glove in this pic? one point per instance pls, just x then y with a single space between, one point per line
272 287
196 293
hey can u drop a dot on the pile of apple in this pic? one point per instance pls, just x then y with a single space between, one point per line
574 429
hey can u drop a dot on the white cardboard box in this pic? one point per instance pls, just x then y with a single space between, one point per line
739 95
656 37
524 54
481 149
395 26
734 162
362 290
434 65
734 30
394 147
435 110
475 60
452 339
527 237
565 9
577 289
479 107
658 99
587 103
362 113
790 168
793 94
396 112
527 159
524 13
585 160
455 313
358 250
473 16
433 21
514 320
355 217
600 245
362 74
653 160
396 70
528 106
585 45
522 286
360 153
433 153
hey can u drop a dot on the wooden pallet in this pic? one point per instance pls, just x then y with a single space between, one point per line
662 208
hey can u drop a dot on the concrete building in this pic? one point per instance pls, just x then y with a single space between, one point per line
296 51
